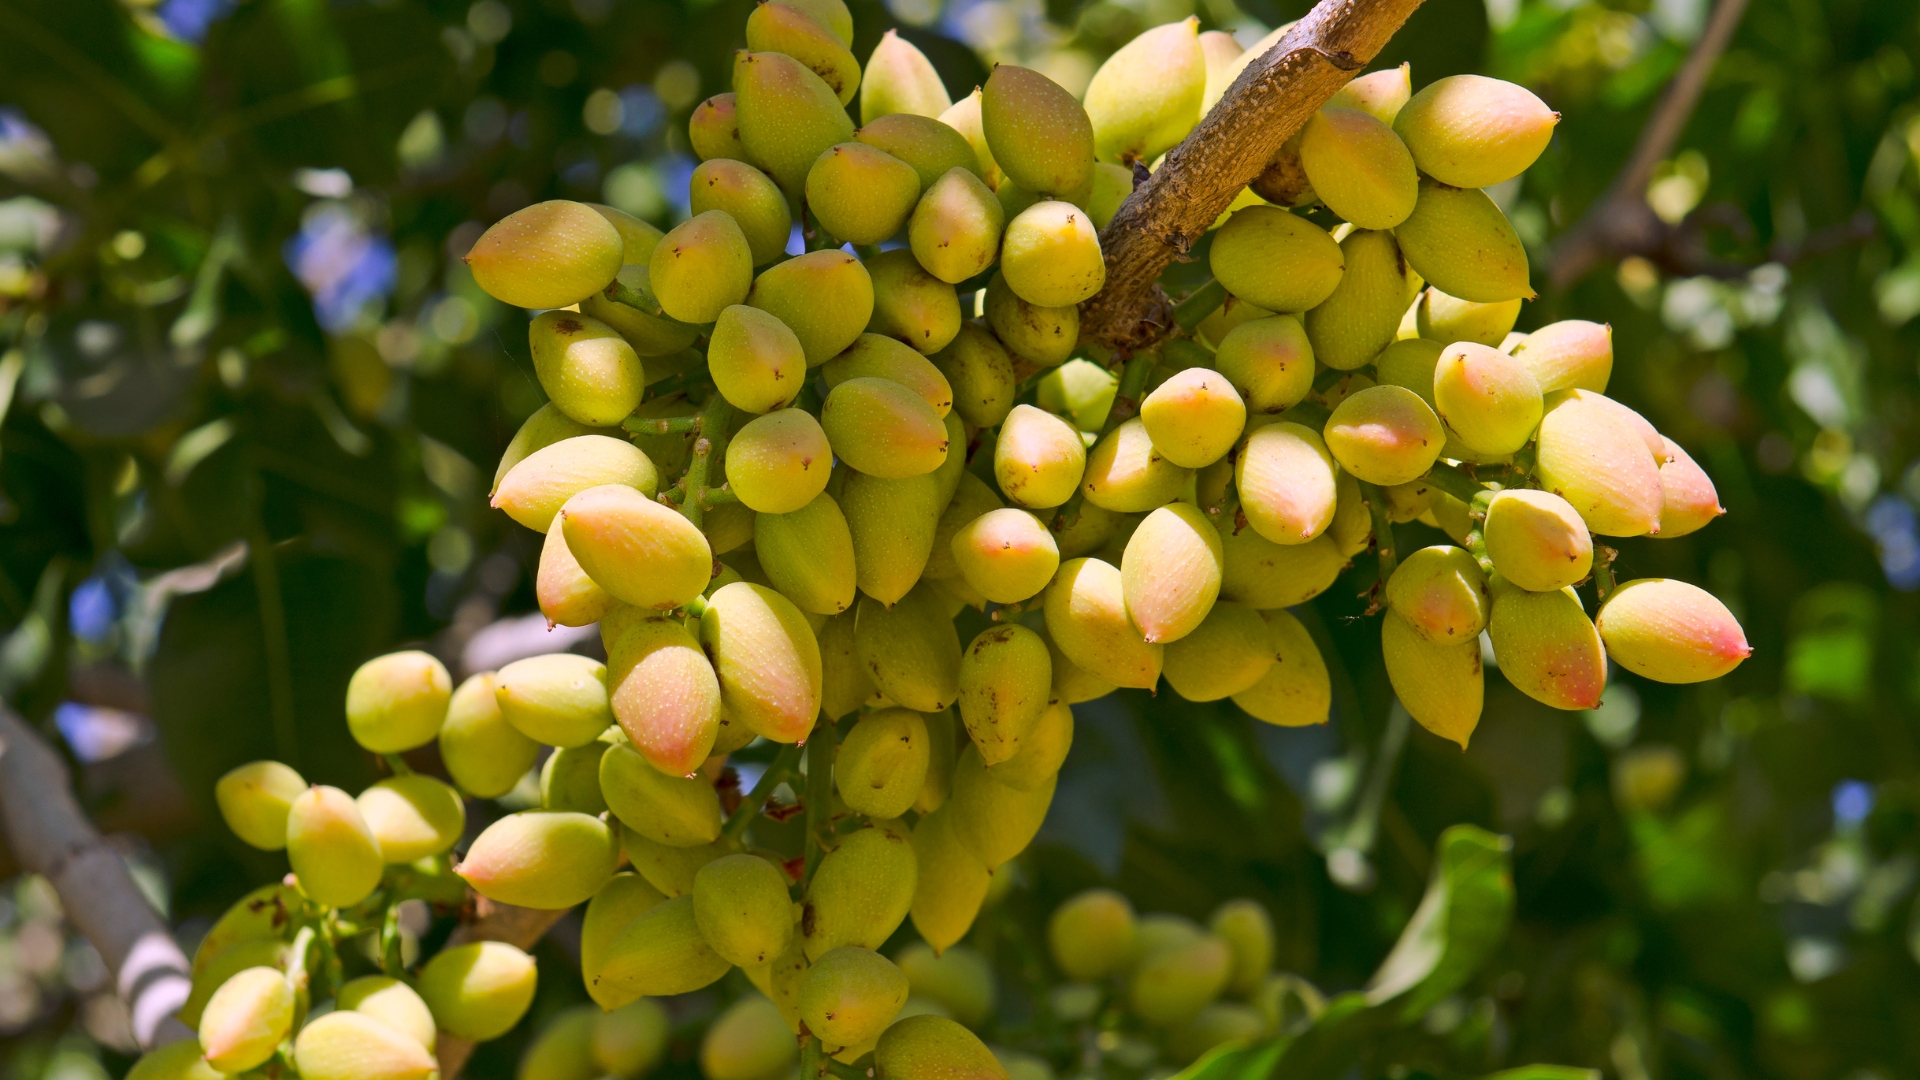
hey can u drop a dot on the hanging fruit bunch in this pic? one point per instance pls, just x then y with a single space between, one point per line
829 464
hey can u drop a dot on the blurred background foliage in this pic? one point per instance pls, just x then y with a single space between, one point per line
252 400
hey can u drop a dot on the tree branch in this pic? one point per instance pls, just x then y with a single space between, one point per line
1271 100
1622 223
51 837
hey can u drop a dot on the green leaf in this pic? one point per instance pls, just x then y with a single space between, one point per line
1544 1072
1237 1061
1459 922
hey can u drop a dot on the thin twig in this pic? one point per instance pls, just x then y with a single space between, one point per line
1622 223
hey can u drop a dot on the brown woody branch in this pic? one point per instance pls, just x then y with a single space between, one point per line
1271 100
1622 223
517 926
50 836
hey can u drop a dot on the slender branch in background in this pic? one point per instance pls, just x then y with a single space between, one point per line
273 627
1621 223
1172 208
50 836
1347 861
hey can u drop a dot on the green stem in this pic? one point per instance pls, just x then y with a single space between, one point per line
720 496
1201 303
709 443
813 1058
782 767
1383 544
397 765
670 425
1133 380
819 797
1476 543
1603 571
845 1071
1455 481
390 951
639 299
1308 413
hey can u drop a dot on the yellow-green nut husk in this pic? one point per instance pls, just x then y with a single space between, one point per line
931 147
396 702
1086 616
960 979
559 699
911 649
1227 653
1441 591
1269 361
1351 326
332 851
624 898
392 1001
861 891
1474 132
1446 319
900 79
483 753
1146 97
642 552
766 658
545 859
1248 931
1041 753
751 198
1536 540
808 555
570 779
755 360
1670 631
893 524
700 267
1440 683
1296 690
254 799
175 1061
479 990
1359 167
877 356
955 227
1038 135
1286 482
1006 677
1194 417
1487 398
630 1041
1546 646
534 490
246 1018
1050 255
1276 260
824 297
1572 354
1046 336
660 953
1038 458
911 305
1262 574
882 763
850 995
1590 454
714 129
951 880
563 1050
741 906
567 596
1170 572
981 375
587 369
547 255
786 115
861 194
1174 983
348 1045
1091 934
677 810
1007 555
412 817
933 1048
995 820
779 462
795 32
1127 474
883 429
1385 435
750 1040
1460 242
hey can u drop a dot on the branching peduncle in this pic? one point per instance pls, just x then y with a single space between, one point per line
778 771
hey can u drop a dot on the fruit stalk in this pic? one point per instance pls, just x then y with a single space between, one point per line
1201 303
713 418
1455 481
1271 100
1382 531
782 767
819 798
1133 382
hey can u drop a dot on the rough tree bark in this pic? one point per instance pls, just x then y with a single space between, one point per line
1271 100
52 837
